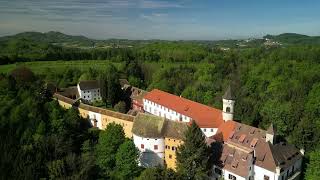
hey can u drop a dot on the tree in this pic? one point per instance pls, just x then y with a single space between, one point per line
158 173
111 89
120 107
313 167
85 76
127 161
107 147
151 174
192 156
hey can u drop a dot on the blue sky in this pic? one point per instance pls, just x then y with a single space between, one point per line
160 19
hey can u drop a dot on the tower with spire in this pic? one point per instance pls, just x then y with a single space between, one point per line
228 101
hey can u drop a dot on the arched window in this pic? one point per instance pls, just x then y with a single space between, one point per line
228 109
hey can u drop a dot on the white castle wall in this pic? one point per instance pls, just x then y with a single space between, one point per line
95 116
149 156
159 110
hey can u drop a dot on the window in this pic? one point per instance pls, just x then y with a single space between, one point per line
95 123
217 171
168 147
232 177
155 147
211 130
170 156
228 109
98 90
172 148
265 177
204 130
292 169
142 146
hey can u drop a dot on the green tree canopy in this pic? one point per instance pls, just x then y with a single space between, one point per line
120 107
127 161
313 167
193 155
109 141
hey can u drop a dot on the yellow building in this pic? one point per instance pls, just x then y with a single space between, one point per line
99 117
174 133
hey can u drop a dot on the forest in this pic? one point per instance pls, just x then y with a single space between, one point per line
279 85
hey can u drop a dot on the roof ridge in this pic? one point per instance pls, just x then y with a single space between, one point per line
228 94
271 150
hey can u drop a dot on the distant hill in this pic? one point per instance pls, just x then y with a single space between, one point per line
35 43
52 37
295 39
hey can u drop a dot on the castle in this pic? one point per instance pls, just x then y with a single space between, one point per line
244 153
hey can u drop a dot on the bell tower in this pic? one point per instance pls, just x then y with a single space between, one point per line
228 101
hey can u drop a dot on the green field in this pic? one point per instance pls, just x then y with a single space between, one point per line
41 67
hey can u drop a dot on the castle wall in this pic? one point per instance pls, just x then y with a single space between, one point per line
99 117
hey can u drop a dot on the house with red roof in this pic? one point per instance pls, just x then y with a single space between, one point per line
177 108
247 152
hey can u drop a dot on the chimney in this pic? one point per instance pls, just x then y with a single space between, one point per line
278 170
270 134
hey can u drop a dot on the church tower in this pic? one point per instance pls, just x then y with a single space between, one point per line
228 101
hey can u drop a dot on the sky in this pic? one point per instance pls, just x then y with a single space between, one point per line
161 19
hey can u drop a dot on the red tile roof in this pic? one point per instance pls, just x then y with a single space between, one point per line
225 131
205 116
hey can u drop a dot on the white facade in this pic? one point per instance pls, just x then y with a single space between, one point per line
230 176
89 95
151 150
227 175
228 109
260 173
95 119
159 110
208 132
270 138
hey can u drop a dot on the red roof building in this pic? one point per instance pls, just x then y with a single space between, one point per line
204 116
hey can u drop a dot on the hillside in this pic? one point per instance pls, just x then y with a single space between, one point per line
295 39
51 37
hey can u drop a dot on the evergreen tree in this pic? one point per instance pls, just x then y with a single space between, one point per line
120 107
107 147
313 168
127 161
110 86
158 173
192 156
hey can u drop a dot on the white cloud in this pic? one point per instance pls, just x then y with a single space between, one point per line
152 4
155 17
